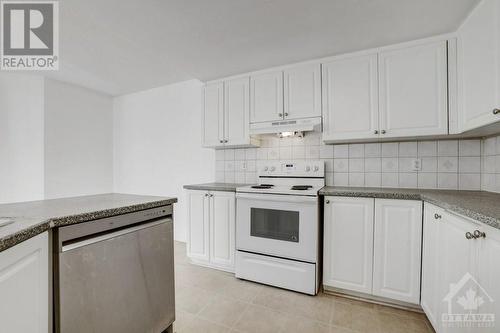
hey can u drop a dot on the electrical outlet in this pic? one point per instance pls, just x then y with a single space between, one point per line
417 164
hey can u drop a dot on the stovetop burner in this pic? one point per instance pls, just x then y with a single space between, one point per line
301 187
263 186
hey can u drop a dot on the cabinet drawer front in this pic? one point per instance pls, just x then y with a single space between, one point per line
288 274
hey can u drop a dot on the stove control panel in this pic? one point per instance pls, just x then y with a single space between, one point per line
313 168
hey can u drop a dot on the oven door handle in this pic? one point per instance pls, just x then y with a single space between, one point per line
277 197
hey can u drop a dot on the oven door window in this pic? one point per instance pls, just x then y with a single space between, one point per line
275 224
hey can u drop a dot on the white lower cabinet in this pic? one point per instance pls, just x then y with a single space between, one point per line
211 228
348 243
373 246
397 249
24 286
460 270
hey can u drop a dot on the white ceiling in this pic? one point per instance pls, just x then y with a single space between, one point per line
122 46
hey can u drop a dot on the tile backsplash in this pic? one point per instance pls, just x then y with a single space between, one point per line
446 164
490 176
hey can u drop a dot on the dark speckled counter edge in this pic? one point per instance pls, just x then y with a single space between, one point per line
415 195
32 231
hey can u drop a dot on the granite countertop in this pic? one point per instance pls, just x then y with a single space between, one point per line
226 187
34 217
478 205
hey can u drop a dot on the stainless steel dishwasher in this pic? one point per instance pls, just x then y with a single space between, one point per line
116 274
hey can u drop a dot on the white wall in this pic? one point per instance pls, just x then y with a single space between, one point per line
78 141
21 137
157 140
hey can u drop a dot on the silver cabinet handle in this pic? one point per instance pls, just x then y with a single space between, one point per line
437 216
468 235
383 131
479 234
327 201
376 132
496 111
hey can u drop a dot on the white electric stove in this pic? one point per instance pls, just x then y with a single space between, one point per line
277 228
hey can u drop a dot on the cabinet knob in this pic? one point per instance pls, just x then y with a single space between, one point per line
206 194
383 131
437 216
280 114
327 201
376 132
496 111
286 114
479 234
225 141
221 141
468 235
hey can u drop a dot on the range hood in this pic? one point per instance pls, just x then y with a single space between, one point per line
298 125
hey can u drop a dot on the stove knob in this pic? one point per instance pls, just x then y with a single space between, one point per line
266 168
316 168
273 168
308 168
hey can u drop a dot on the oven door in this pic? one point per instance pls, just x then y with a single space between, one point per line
279 225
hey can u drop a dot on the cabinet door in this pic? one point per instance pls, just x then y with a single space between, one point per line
24 286
397 249
489 274
430 298
198 225
222 225
350 98
237 111
266 97
213 115
478 62
456 258
348 243
414 91
302 88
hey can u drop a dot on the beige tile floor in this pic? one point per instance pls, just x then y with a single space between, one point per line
213 301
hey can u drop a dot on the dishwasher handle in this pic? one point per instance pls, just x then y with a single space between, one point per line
99 238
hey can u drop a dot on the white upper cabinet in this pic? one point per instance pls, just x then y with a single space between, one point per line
478 60
348 243
414 90
397 249
213 115
24 286
226 117
350 98
266 97
302 91
237 111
